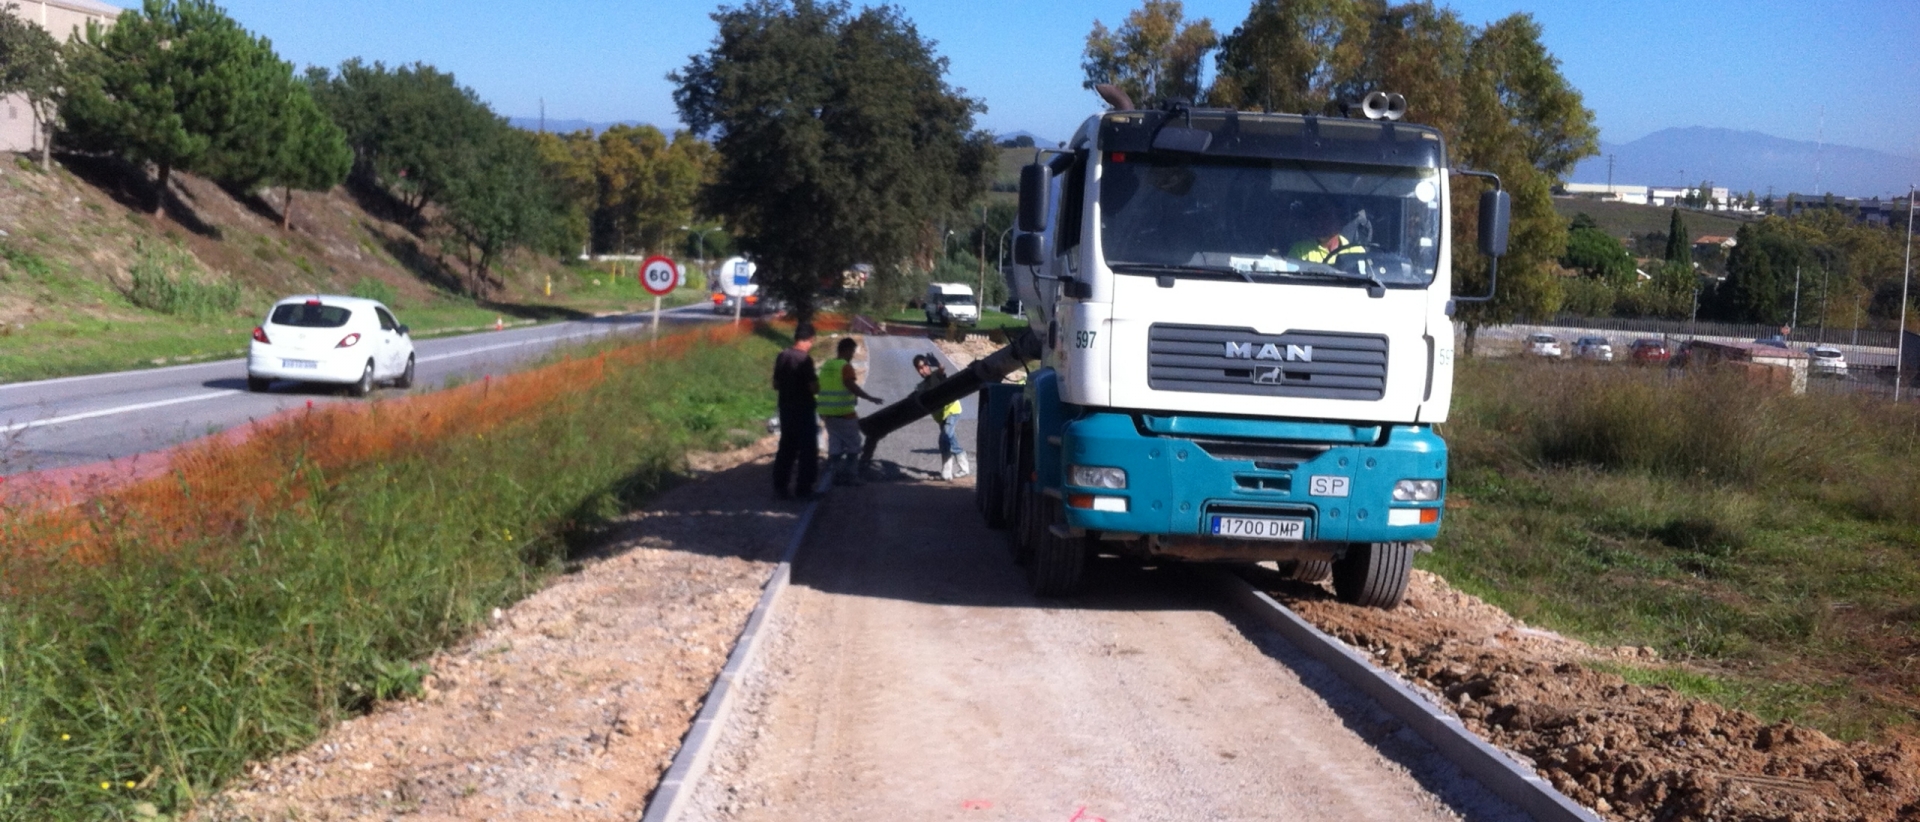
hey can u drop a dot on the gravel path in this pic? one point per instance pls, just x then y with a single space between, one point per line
912 676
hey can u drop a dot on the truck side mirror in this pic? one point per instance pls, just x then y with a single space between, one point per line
1033 200
1496 209
1029 249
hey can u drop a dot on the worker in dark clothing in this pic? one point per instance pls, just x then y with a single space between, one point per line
796 384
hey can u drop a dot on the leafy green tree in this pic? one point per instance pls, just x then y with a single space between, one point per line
1525 122
31 65
497 199
568 162
838 138
1759 283
181 85
1155 55
1281 58
412 129
1598 255
1679 242
312 152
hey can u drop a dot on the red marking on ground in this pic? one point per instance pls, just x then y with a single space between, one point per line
976 804
1082 816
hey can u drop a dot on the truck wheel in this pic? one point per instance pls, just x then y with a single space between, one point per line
1059 567
1374 574
1312 570
1020 537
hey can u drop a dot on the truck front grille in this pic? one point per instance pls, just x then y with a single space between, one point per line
1304 364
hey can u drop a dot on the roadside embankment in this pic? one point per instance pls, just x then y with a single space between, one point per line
163 634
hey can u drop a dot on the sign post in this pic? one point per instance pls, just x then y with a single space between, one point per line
659 275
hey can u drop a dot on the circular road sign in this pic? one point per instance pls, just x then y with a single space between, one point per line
659 275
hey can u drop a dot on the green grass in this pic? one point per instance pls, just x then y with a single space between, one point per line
1768 544
989 319
172 667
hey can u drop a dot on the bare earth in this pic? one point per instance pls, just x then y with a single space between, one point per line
573 703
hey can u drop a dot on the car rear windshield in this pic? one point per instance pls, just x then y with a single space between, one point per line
310 315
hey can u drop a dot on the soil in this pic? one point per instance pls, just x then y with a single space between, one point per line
1627 751
573 702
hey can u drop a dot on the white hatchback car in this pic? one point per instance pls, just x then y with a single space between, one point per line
1827 360
330 339
1543 345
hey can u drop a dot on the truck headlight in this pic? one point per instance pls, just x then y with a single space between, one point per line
1094 476
1416 490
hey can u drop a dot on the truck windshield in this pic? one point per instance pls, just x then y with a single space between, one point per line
956 299
1270 220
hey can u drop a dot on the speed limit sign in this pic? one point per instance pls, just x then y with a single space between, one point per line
660 275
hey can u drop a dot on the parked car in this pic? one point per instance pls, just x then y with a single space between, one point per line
1826 360
330 339
1649 351
1543 345
1599 349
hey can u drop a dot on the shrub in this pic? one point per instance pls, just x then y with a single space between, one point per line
165 279
377 290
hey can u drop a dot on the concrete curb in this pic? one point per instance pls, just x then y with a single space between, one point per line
1488 765
670 799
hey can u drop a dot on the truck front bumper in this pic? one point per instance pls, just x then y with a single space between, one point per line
1185 474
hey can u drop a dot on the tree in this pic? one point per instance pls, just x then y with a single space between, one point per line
412 129
1524 122
312 153
1598 255
1679 242
31 65
1281 57
1155 55
178 84
496 199
838 139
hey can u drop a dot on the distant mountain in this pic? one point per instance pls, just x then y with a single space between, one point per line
565 126
1749 160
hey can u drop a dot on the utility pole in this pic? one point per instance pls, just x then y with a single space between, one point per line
1609 176
1900 339
1795 325
981 296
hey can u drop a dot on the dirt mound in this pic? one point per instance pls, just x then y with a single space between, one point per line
1630 752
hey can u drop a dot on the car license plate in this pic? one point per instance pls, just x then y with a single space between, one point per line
1260 527
299 363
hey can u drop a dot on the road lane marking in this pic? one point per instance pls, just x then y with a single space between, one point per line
108 412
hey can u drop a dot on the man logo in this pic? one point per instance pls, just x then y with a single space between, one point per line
1269 351
1267 376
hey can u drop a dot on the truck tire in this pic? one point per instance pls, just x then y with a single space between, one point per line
1311 570
1059 566
1374 574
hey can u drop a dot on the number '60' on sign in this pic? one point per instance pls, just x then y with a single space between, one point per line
659 275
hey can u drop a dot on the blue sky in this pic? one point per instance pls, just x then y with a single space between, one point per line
1644 65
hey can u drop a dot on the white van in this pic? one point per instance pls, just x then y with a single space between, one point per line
951 303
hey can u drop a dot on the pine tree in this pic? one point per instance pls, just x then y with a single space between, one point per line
1679 242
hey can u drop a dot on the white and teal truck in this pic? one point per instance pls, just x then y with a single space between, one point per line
1242 339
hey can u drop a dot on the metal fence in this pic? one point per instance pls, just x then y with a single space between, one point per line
1684 328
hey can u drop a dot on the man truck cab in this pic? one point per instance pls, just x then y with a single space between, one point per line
1245 340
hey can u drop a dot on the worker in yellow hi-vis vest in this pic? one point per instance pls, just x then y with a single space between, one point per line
839 385
953 456
1327 243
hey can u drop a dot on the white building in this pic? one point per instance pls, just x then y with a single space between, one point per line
19 129
1645 195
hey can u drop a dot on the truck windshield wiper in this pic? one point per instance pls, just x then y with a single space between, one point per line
1327 271
1167 268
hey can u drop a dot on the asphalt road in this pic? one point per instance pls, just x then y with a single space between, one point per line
81 420
910 675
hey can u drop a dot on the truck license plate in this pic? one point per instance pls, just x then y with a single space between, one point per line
1260 528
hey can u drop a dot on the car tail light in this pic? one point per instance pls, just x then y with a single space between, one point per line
260 335
751 299
719 298
348 341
